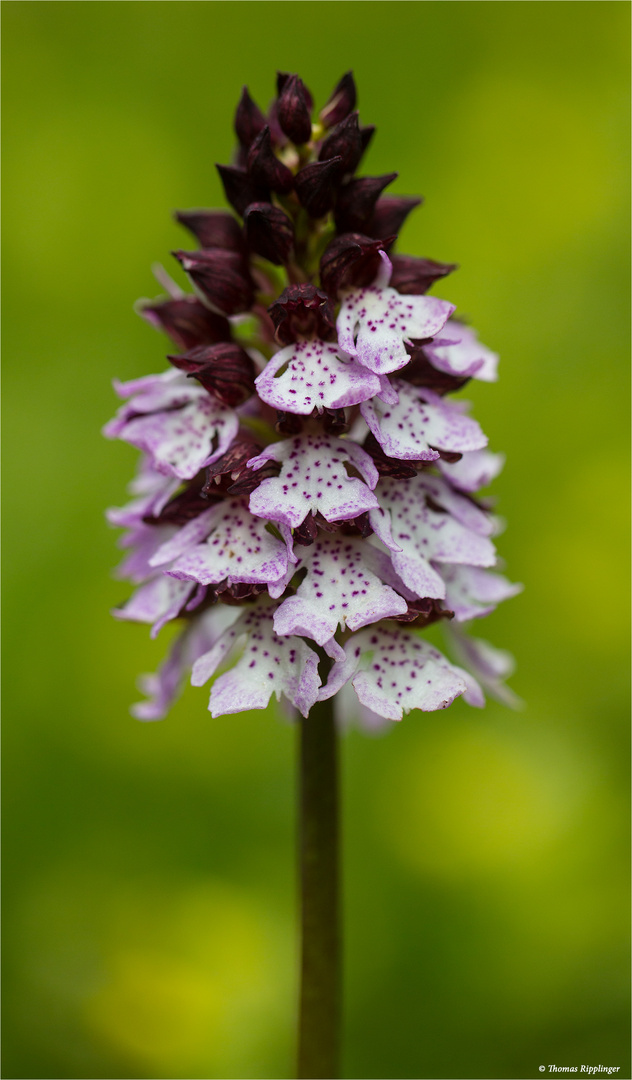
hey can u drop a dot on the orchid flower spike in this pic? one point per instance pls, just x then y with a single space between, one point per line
307 499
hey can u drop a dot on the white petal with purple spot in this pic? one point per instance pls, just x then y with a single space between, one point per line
393 671
157 601
475 469
415 430
472 592
153 393
239 548
188 536
268 665
374 323
465 510
459 352
164 686
143 543
183 440
488 665
314 477
314 375
426 536
340 588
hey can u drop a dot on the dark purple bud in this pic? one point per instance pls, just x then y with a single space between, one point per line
269 232
346 143
230 475
265 167
341 102
386 466
213 228
390 214
420 372
316 186
288 423
187 321
225 370
241 188
306 532
357 199
249 120
184 506
302 311
350 259
294 110
282 78
221 276
424 612
416 276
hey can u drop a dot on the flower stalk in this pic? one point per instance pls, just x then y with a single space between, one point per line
319 860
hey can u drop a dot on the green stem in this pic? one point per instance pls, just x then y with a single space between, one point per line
319 1009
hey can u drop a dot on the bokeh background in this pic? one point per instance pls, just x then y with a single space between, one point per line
149 879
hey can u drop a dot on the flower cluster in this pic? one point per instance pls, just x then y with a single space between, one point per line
307 497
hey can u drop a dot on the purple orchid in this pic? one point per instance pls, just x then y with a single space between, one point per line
308 494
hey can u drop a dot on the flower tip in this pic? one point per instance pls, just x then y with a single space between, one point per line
294 108
341 102
249 120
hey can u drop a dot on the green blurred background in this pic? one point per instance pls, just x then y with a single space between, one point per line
149 880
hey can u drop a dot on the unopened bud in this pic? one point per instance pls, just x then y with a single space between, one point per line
416 276
269 232
346 143
341 102
265 167
249 120
390 214
187 321
357 199
316 186
241 188
221 276
282 78
294 110
212 228
225 370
